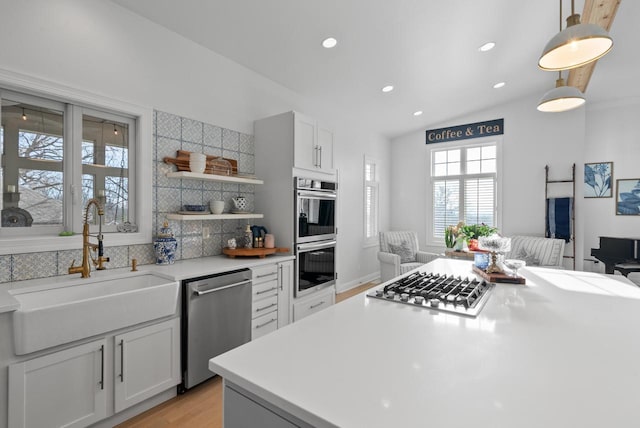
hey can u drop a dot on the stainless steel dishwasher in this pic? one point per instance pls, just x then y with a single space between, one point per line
216 317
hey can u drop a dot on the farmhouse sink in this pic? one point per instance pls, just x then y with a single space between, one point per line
80 308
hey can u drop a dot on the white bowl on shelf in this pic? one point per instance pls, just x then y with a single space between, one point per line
217 207
197 166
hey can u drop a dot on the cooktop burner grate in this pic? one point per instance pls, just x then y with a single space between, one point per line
448 293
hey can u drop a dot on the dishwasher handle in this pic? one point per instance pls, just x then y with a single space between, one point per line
224 287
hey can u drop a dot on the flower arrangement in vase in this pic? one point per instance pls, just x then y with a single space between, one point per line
472 232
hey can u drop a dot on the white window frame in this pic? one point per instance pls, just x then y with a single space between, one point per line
374 185
140 157
476 142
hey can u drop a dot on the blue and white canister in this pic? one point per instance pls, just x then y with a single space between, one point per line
165 246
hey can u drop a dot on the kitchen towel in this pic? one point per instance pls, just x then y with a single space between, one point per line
559 218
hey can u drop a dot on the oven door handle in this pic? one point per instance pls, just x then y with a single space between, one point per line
308 247
317 194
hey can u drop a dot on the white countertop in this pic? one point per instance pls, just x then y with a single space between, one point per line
561 351
182 269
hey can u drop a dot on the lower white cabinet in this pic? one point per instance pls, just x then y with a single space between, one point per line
313 303
147 362
271 302
65 388
71 387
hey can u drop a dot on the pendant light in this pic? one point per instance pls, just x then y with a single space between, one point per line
561 98
576 45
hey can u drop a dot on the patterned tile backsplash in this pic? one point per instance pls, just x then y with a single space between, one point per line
170 134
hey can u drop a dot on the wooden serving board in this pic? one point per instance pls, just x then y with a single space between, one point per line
499 277
253 252
182 163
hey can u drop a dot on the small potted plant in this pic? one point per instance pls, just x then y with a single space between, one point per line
472 232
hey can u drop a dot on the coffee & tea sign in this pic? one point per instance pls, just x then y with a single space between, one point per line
465 132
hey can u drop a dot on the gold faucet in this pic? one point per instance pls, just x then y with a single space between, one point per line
85 268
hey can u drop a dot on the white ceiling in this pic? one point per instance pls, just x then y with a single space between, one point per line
427 49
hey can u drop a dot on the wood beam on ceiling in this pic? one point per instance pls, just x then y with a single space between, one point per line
602 13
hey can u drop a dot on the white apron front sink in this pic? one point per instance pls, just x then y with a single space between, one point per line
83 308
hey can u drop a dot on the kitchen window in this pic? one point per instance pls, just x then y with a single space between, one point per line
371 197
59 151
463 186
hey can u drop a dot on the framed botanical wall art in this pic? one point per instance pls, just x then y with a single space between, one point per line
598 180
628 196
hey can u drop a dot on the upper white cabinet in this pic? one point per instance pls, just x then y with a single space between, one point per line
292 132
312 145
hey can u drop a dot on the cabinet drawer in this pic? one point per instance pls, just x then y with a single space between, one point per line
264 324
312 305
264 306
265 289
264 273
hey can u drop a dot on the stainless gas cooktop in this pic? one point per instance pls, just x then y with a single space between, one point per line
448 293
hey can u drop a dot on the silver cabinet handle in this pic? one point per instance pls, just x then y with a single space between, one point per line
266 307
121 375
320 157
101 383
266 323
280 279
213 290
266 291
266 274
316 305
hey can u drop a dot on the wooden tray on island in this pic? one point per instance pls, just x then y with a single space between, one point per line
499 277
253 252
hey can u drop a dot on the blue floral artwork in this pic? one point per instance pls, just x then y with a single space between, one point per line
598 179
628 197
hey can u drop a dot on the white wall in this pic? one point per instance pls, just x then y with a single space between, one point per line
612 136
531 140
101 48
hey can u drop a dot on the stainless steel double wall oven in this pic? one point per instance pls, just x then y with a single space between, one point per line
315 234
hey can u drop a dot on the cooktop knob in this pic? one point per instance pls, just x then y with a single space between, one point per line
404 297
418 300
434 303
391 294
379 293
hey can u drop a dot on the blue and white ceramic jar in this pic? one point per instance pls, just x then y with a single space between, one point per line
165 246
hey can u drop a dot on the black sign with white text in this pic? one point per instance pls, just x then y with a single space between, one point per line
465 132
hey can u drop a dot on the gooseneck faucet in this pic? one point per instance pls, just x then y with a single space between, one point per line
87 247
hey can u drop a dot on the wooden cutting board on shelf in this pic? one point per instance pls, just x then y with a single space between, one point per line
181 161
253 252
499 277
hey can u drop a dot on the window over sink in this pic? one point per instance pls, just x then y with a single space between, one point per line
59 151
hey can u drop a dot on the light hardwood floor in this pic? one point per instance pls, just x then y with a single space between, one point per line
201 406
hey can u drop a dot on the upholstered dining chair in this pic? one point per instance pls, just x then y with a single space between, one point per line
399 253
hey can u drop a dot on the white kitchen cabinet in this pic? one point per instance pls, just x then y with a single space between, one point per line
285 290
313 303
71 387
147 362
264 305
66 388
312 145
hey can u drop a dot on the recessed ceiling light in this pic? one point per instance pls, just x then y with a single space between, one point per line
499 85
329 42
387 88
417 113
487 47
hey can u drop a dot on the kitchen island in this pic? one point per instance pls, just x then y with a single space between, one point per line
560 351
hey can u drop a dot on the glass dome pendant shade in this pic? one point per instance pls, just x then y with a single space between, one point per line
575 46
561 98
